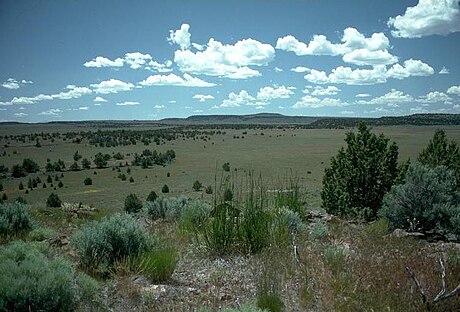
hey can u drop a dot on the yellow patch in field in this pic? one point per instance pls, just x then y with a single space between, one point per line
90 191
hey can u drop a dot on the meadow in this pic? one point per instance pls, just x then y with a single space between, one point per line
317 262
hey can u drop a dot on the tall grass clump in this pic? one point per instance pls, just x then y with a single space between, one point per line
14 218
268 290
289 195
194 217
100 244
30 281
158 265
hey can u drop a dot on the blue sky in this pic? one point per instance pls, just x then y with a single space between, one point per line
88 60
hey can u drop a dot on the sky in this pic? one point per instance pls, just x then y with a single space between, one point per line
148 60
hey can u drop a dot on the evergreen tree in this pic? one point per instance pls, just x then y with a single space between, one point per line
359 176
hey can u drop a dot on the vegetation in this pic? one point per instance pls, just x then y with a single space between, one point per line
88 181
152 196
53 201
14 218
165 189
132 204
158 265
359 176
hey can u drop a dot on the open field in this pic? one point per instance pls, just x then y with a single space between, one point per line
275 154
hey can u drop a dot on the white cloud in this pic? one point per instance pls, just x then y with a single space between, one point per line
362 95
238 99
320 91
345 112
73 93
454 90
99 99
161 68
203 97
127 103
392 98
428 17
136 60
20 115
309 101
278 70
172 102
444 71
300 69
181 36
435 97
13 84
101 61
83 108
226 60
174 80
354 47
51 112
111 86
269 93
411 68
159 106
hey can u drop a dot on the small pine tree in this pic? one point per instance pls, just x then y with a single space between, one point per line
209 190
165 189
228 195
197 186
226 167
132 204
60 184
49 179
4 197
131 179
152 196
21 186
44 185
88 181
53 201
85 163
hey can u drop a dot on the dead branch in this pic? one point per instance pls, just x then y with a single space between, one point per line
417 283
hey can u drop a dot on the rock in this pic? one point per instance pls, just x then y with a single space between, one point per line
403 233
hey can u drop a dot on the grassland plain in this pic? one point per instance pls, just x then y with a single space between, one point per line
275 153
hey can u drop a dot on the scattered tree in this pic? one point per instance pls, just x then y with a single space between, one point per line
132 204
53 201
197 186
165 189
88 181
152 196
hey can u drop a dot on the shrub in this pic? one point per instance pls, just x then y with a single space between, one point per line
319 231
40 234
359 176
32 282
21 186
122 176
30 166
209 190
131 179
53 201
17 171
158 265
268 291
100 160
132 204
100 244
175 207
20 200
291 221
441 152
88 181
197 186
85 163
60 184
427 200
74 166
158 208
165 189
152 196
226 167
14 218
194 216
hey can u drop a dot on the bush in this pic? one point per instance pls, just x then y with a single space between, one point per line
440 152
319 231
194 216
165 189
131 179
132 204
14 218
85 163
53 201
40 234
209 190
32 282
428 200
226 167
360 175
17 171
197 186
158 208
60 184
88 181
152 196
175 207
158 265
100 244
30 166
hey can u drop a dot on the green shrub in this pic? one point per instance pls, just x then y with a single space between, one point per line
14 218
60 184
158 208
152 196
131 179
88 181
53 201
291 220
194 216
358 177
268 291
20 200
175 207
100 244
132 204
165 189
427 200
209 190
30 166
32 282
290 196
197 186
41 233
319 230
158 265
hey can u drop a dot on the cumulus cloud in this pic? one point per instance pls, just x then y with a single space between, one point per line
111 86
136 60
73 92
309 101
225 60
101 61
435 97
454 90
278 70
269 93
181 36
428 17
51 112
83 108
159 67
392 98
20 114
444 71
355 48
238 99
362 95
127 103
203 97
159 106
300 69
13 84
174 80
99 99
320 91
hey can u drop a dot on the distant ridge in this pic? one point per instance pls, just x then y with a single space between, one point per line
262 118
